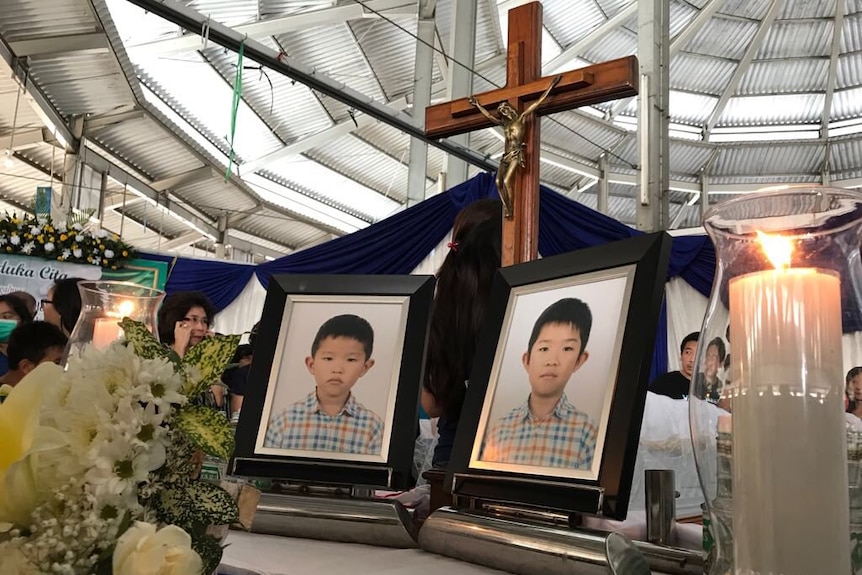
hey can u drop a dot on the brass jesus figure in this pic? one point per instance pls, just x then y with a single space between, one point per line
513 126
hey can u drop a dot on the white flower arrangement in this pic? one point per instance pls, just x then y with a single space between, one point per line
98 471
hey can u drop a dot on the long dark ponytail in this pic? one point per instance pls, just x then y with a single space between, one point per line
463 284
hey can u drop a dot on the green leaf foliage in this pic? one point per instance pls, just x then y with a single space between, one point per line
190 503
210 551
207 429
143 342
211 357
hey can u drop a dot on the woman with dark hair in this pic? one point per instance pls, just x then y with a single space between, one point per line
463 285
62 306
185 319
13 312
853 390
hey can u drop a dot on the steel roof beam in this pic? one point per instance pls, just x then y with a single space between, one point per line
742 67
283 24
192 176
95 42
219 34
832 75
10 63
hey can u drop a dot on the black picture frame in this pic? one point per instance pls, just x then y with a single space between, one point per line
606 494
394 469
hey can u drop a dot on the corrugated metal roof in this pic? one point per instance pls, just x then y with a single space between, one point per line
290 108
847 104
579 132
689 158
230 12
851 39
693 109
789 39
699 73
390 50
569 22
723 37
753 9
819 9
148 147
10 94
616 44
849 72
272 226
681 15
38 18
772 110
214 196
769 159
845 154
82 83
380 172
790 76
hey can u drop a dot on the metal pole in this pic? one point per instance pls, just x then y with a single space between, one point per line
417 168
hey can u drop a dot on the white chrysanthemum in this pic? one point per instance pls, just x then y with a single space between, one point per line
101 233
3 241
109 254
66 253
119 466
79 238
28 247
77 252
35 230
49 247
15 239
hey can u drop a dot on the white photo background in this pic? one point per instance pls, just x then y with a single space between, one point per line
290 380
591 387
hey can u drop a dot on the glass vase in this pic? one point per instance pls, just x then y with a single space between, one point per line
766 402
103 305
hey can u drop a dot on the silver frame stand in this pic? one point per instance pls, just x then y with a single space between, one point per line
542 546
342 515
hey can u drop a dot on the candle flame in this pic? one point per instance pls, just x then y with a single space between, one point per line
777 248
126 308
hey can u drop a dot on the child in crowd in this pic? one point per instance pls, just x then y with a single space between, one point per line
547 430
31 344
330 418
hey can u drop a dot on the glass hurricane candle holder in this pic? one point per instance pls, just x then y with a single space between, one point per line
767 395
103 305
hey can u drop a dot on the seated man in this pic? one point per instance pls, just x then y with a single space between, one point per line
675 384
547 430
29 345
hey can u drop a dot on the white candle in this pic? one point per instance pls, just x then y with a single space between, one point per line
790 498
105 332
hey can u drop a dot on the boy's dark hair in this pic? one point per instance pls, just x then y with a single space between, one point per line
66 299
176 306
570 311
463 285
18 306
32 341
693 336
719 344
346 325
28 299
854 371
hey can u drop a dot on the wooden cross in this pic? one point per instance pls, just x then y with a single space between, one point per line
524 85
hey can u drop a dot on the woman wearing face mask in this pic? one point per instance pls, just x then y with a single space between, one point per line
13 311
185 319
62 306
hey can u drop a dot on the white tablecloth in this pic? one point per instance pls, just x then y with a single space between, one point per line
273 555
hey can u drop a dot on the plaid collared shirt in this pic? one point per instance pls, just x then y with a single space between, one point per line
303 426
565 438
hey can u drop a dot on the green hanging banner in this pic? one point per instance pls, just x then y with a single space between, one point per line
237 97
147 273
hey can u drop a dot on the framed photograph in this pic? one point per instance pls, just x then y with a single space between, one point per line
334 386
554 406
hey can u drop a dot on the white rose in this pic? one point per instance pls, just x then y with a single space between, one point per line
15 240
142 550
79 238
77 252
49 247
109 254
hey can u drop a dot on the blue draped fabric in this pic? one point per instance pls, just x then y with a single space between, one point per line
399 243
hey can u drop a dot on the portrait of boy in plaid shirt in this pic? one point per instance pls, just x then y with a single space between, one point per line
330 418
547 430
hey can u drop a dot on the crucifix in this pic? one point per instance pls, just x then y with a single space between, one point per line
525 97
